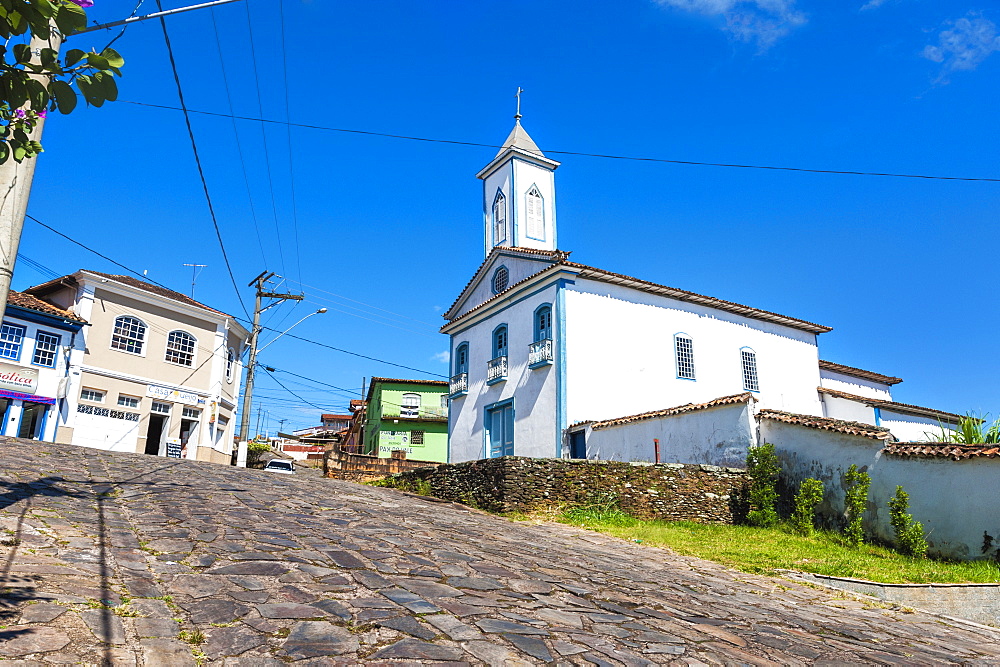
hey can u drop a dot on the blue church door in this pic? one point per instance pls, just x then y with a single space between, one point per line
500 423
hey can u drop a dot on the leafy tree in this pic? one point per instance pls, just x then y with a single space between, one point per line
32 84
855 500
910 538
762 465
810 495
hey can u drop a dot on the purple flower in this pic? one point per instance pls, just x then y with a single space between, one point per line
19 113
43 113
83 3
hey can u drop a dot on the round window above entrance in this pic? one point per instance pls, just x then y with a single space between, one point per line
500 279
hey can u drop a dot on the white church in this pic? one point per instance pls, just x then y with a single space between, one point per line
552 358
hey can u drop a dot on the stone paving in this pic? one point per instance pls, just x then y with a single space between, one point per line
135 560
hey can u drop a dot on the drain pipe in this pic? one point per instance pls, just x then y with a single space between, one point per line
656 449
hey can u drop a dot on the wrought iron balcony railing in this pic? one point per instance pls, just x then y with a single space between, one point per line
496 369
540 353
459 384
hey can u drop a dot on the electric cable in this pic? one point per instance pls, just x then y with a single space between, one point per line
197 158
291 150
843 172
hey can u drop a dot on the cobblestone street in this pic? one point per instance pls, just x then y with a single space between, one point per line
130 559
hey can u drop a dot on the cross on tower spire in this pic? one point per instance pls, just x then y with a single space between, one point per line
517 116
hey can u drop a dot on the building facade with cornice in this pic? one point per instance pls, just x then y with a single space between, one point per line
159 372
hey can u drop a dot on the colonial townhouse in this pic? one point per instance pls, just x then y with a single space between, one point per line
159 372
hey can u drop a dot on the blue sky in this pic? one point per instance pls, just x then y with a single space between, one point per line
389 230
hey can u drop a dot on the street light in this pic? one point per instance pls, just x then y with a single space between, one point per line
241 457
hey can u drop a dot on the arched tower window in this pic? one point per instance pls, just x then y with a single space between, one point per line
534 215
129 334
684 356
499 218
749 361
180 348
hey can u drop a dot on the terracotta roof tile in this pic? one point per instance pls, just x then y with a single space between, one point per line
593 273
827 424
942 450
905 408
29 302
669 412
858 373
159 291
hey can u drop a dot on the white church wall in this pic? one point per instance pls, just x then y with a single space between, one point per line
535 429
952 499
835 407
498 181
911 428
525 176
620 355
852 385
716 436
518 268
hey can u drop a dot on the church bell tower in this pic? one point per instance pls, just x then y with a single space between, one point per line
519 202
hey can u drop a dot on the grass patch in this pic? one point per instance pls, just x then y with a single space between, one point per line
421 487
766 550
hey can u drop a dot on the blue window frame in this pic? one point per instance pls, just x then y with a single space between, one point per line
11 337
748 360
462 359
500 341
534 214
684 356
501 279
46 349
543 323
499 218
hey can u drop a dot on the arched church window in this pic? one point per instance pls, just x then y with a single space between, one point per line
543 323
534 215
499 219
500 342
462 359
501 277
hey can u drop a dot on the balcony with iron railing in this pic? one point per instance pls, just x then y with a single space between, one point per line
496 370
458 385
540 353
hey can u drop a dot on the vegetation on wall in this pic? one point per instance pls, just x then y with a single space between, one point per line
855 499
972 429
763 468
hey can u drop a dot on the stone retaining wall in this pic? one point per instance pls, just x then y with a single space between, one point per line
340 464
669 491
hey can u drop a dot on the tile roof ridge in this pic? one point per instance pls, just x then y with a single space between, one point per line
826 423
668 412
883 403
558 255
858 372
32 302
165 292
953 451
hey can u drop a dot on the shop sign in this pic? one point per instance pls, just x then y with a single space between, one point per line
174 448
18 378
168 394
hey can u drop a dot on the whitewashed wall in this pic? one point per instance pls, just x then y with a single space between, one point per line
911 428
535 428
852 385
954 500
518 269
620 355
715 436
835 407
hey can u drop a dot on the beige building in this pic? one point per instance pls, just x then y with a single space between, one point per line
160 372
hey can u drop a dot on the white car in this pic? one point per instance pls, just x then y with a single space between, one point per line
280 465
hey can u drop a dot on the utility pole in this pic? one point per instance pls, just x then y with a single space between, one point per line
194 274
260 282
16 177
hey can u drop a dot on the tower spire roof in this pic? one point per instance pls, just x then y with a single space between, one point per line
518 138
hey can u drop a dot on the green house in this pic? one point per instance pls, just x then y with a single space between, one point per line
408 415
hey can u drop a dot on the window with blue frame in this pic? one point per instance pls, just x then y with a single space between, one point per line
749 361
500 342
499 218
46 349
462 359
543 323
11 337
684 356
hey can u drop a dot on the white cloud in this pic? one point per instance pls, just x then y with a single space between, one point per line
443 357
963 45
873 4
762 22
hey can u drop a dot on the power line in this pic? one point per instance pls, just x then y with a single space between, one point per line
197 158
288 131
731 165
289 390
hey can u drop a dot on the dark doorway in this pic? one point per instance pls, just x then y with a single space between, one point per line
154 434
32 417
188 427
577 445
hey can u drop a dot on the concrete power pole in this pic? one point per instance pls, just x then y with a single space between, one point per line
16 177
259 282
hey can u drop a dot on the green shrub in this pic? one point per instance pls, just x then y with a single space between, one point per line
971 429
855 500
763 468
810 495
910 539
254 451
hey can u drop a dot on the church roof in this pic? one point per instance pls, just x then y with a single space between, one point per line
904 408
827 424
518 138
593 273
858 373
